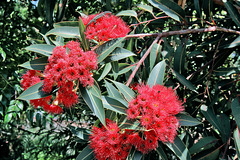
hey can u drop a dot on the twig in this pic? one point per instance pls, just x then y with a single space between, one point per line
187 31
141 61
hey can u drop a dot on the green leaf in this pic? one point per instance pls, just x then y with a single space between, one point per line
211 117
129 124
155 50
236 111
66 23
170 8
236 136
157 74
230 43
114 105
226 71
106 70
203 144
197 8
187 120
105 49
112 91
8 117
86 154
65 31
43 49
36 64
38 119
184 81
207 6
233 12
81 133
134 154
3 54
146 8
128 93
84 41
179 58
131 13
94 103
179 148
126 69
33 92
95 90
118 54
115 69
225 126
161 152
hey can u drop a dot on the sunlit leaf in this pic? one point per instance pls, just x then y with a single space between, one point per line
187 120
65 31
179 148
127 13
170 8
157 74
43 49
106 70
114 105
33 92
86 154
36 64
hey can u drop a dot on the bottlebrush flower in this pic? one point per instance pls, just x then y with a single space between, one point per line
156 108
53 109
109 143
105 28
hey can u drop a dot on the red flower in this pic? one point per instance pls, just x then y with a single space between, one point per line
105 28
156 108
53 109
109 143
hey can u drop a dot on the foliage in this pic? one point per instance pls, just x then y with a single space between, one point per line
191 47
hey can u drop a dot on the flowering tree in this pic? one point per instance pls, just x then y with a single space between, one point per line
158 87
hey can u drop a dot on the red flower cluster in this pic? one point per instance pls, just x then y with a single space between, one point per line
105 28
64 68
109 143
32 77
156 108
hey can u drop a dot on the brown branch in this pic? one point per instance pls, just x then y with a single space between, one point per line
141 61
187 31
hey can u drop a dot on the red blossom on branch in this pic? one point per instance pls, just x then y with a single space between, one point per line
105 28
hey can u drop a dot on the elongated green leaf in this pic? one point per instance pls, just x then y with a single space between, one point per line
43 49
125 70
65 31
170 8
33 92
115 69
81 133
106 70
207 7
184 81
236 111
225 126
94 103
236 136
161 153
66 23
226 71
8 117
211 117
155 50
131 13
157 74
104 50
203 144
129 124
230 43
134 155
179 148
118 54
85 42
234 14
197 8
146 8
179 58
114 105
112 91
86 154
36 64
187 120
126 91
